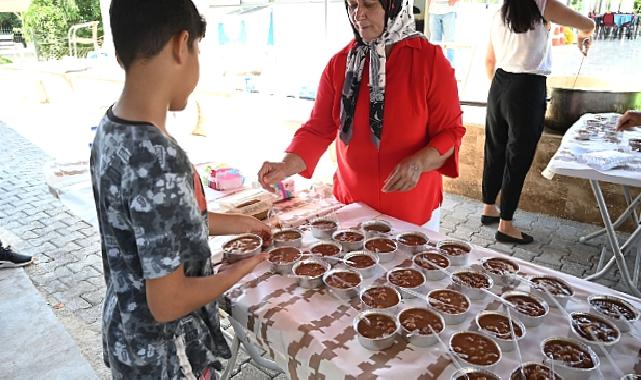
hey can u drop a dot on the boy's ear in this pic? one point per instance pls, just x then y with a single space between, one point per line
180 46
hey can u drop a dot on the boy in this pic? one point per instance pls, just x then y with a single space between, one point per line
160 317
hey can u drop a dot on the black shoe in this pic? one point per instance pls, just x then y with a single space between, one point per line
487 219
505 238
10 259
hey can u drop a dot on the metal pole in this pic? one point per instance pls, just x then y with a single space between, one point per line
426 19
632 205
107 41
628 199
231 363
612 239
250 348
326 6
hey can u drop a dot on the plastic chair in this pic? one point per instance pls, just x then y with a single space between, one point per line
75 40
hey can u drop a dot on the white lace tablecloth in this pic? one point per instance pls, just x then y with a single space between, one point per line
569 158
309 332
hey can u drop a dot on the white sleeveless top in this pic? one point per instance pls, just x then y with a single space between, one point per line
527 52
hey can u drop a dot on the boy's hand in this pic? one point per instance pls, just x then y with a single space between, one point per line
247 223
245 266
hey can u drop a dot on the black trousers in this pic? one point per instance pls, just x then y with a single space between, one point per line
514 123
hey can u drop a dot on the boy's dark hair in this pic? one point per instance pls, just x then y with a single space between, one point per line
521 15
141 28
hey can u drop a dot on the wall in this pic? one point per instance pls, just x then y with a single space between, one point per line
564 197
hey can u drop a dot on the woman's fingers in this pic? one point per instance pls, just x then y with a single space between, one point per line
274 177
398 183
264 169
269 174
403 178
391 179
391 184
405 184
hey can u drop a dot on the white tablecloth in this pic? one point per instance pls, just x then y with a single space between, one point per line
568 159
309 332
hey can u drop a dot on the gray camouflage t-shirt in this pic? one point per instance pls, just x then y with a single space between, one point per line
153 218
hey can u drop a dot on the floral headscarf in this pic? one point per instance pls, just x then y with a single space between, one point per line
399 25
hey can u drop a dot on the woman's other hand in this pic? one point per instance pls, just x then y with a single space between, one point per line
405 175
629 120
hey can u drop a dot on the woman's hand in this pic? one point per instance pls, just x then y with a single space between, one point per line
630 119
405 176
584 42
273 172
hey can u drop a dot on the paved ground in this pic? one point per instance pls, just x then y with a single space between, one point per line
68 273
58 354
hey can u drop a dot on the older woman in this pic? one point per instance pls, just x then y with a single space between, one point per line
391 99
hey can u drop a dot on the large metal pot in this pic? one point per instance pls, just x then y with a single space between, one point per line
567 101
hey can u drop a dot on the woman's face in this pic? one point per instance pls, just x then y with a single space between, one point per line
368 17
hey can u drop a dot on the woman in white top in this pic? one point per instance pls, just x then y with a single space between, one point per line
518 61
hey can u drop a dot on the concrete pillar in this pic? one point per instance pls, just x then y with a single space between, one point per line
108 44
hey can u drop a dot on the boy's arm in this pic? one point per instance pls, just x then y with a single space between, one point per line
176 295
227 224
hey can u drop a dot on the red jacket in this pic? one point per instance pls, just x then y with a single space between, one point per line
421 108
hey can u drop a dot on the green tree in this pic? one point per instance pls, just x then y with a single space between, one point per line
9 20
46 26
47 23
637 6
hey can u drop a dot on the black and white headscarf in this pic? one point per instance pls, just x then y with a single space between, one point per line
399 25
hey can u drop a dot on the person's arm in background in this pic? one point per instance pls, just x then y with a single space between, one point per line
629 120
490 61
310 140
561 14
